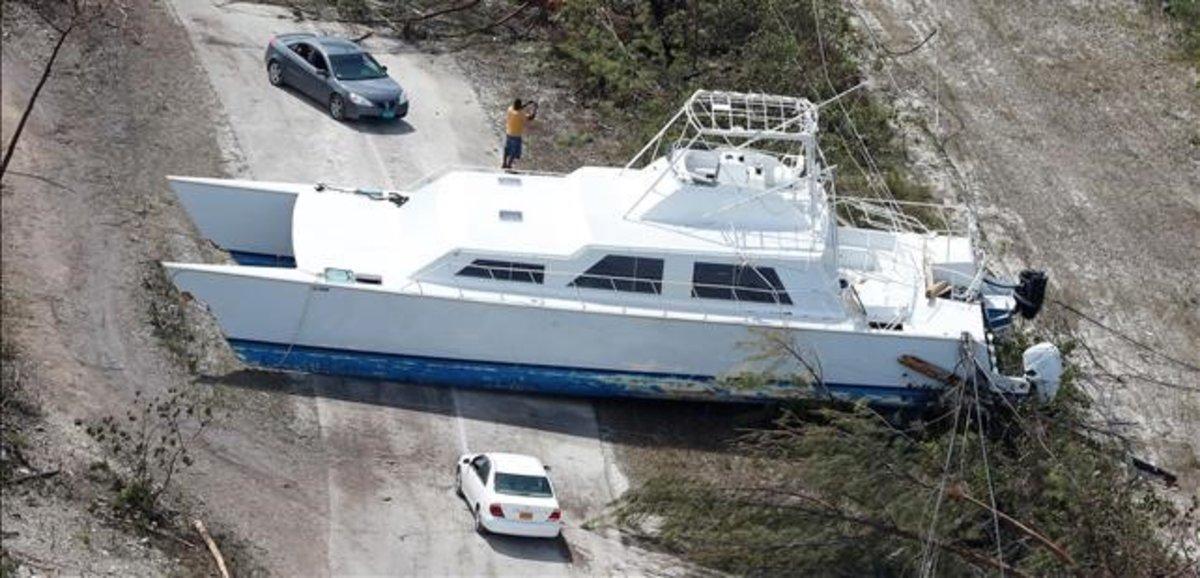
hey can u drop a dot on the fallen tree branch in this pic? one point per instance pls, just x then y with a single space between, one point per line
825 508
958 492
29 477
458 8
212 548
46 70
506 18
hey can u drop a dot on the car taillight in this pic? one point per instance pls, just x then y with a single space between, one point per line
555 516
495 510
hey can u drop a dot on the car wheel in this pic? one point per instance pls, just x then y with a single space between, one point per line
337 107
479 527
458 483
275 73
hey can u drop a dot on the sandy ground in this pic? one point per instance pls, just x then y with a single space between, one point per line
1074 131
312 475
78 231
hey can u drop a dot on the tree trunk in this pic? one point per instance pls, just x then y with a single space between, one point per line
12 144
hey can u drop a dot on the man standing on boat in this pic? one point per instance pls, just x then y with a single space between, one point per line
514 128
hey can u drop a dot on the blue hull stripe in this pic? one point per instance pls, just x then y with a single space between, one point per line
263 260
529 378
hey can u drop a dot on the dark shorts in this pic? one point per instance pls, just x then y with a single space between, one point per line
512 147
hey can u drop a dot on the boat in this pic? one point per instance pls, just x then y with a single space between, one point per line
718 264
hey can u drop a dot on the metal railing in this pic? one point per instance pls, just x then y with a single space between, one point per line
899 216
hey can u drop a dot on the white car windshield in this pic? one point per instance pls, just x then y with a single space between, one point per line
360 66
518 485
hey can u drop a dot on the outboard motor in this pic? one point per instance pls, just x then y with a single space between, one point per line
1030 292
1043 370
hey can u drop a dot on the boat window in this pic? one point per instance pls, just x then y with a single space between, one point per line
738 283
623 273
505 271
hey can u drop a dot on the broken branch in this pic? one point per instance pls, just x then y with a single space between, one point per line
212 548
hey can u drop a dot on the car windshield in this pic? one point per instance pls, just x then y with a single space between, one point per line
359 66
518 485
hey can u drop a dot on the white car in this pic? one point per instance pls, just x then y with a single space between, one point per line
509 494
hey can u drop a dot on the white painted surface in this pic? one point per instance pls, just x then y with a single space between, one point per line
288 306
240 218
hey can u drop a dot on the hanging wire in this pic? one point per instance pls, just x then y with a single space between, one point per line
867 156
928 553
986 467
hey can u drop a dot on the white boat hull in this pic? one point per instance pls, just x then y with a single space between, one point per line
289 319
251 220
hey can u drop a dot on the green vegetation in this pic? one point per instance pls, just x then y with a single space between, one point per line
1186 14
167 318
17 408
840 490
637 60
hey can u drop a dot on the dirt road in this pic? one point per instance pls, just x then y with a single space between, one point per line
308 476
1073 129
390 448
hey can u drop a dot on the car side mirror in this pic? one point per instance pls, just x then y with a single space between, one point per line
547 468
466 460
383 68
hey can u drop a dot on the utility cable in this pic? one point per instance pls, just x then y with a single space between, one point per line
987 470
927 554
1127 338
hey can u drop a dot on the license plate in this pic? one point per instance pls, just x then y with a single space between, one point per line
389 114
525 515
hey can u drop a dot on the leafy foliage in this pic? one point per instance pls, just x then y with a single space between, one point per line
1187 15
639 59
843 489
16 406
152 439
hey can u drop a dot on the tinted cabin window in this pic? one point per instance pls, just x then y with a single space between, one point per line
738 283
505 271
622 273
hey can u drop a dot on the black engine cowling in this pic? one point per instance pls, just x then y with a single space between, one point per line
1030 292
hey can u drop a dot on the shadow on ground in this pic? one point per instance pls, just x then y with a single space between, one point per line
539 549
638 422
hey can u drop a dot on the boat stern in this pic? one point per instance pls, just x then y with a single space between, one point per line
250 220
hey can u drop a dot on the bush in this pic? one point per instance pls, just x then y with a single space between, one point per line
1186 13
152 440
639 60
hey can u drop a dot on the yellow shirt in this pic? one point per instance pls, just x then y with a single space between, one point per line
515 123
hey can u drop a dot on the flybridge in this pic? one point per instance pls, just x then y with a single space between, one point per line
707 150
644 280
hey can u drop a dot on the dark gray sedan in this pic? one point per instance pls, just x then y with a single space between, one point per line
337 73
